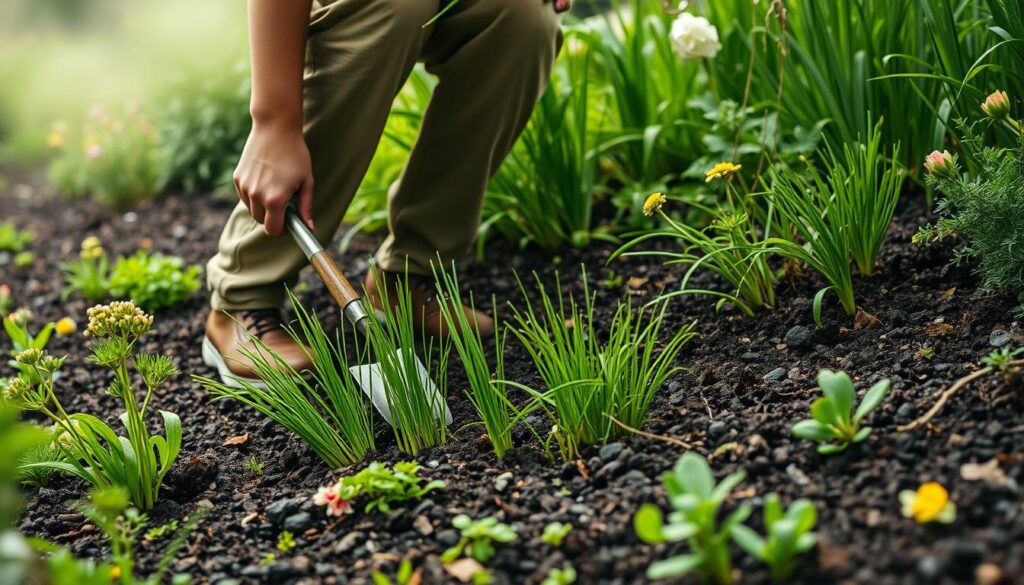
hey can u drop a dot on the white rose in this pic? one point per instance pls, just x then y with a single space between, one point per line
694 37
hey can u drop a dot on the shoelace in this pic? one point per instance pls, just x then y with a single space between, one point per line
259 322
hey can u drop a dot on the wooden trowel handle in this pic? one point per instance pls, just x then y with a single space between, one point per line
334 279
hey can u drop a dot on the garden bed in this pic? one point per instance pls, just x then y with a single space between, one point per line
748 381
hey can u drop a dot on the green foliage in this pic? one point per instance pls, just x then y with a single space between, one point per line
833 416
114 158
988 210
591 378
478 538
47 451
325 409
254 466
555 533
696 500
19 439
544 191
161 532
89 273
840 213
203 126
286 542
788 534
17 327
154 281
486 391
404 576
1002 360
564 576
91 449
6 299
383 487
13 239
418 416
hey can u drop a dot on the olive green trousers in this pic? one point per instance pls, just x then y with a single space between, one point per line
492 59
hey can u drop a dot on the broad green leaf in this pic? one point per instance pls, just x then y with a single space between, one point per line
695 474
674 567
832 448
861 435
772 510
726 486
812 430
838 387
803 513
824 411
749 540
678 532
872 399
648 523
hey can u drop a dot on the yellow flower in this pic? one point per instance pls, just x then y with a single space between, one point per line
723 169
55 139
91 242
654 203
930 503
66 326
115 572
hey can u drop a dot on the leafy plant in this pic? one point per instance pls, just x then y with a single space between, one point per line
590 384
92 450
842 213
254 466
555 533
153 281
560 576
13 239
286 542
418 414
112 157
203 127
327 411
486 391
46 451
16 325
988 210
404 576
381 487
788 534
833 416
161 532
89 273
477 538
696 500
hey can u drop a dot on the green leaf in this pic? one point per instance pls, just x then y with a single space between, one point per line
694 474
648 523
861 435
824 411
678 532
872 399
832 448
772 510
838 387
804 514
749 540
674 567
812 430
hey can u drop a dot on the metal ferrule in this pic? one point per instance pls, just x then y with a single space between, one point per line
303 237
356 312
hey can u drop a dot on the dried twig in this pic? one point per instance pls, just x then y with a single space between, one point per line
646 435
948 393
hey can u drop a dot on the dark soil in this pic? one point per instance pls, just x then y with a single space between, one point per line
748 380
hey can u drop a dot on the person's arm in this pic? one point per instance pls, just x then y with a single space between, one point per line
275 164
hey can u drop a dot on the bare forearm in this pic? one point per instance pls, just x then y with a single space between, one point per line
277 43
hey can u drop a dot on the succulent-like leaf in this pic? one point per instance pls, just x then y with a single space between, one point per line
872 399
674 567
694 474
812 430
749 540
648 523
824 411
838 387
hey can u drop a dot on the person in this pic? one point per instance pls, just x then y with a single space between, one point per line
324 76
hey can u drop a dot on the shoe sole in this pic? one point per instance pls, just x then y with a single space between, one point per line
213 358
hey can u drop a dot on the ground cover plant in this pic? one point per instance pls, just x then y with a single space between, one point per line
833 415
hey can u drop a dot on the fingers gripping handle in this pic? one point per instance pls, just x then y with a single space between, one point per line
334 279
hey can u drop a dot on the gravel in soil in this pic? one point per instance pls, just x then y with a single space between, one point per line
747 381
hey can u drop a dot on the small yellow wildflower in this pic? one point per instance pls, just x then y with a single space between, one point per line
91 242
115 572
91 248
723 170
66 326
654 203
930 503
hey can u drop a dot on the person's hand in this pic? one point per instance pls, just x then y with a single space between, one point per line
275 166
561 5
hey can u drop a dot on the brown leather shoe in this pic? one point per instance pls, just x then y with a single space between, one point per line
228 333
425 302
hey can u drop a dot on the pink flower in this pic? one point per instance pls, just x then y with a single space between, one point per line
94 151
330 496
997 105
942 163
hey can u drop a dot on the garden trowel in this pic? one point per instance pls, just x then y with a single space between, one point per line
355 310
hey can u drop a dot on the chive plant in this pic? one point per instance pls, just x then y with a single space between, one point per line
418 413
592 385
324 407
840 213
487 391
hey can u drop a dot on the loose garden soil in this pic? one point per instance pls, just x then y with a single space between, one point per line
747 381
